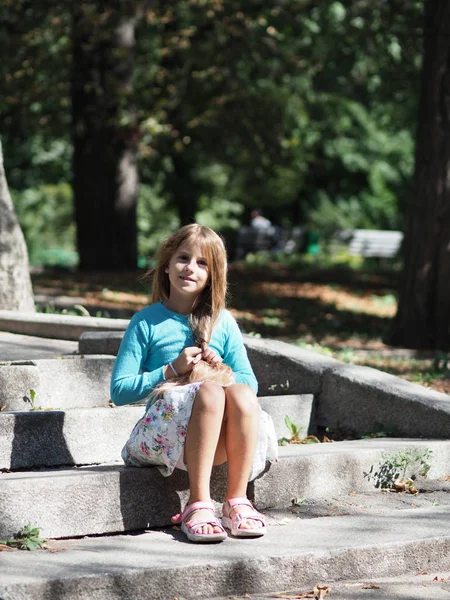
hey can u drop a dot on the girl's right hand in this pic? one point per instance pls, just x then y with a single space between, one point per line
187 359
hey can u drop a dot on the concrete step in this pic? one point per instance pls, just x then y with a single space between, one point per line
15 347
415 585
58 327
113 498
84 436
295 554
58 383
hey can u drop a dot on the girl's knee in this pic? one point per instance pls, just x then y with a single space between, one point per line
242 399
210 396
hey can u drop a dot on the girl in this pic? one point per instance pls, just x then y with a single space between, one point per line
200 424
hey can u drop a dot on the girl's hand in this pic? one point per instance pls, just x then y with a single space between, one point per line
187 359
210 356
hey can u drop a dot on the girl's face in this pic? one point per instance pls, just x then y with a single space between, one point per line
188 271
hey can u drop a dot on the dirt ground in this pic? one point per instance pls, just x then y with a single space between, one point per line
347 315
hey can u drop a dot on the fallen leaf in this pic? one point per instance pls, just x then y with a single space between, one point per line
176 527
423 573
371 586
53 549
2 407
327 440
7 548
405 485
320 591
437 578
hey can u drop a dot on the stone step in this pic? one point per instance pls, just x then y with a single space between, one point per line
58 383
83 436
112 498
58 327
296 553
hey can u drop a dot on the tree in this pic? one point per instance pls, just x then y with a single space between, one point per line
423 317
104 134
15 283
238 103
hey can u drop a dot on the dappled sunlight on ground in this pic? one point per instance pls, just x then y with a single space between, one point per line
348 318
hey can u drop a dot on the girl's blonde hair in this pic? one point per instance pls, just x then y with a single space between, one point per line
213 298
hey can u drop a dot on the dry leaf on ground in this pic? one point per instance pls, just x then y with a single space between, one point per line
54 549
371 586
405 485
320 591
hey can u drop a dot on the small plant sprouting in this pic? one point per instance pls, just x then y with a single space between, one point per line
295 430
32 400
28 538
400 469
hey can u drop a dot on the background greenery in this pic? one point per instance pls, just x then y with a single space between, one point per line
304 109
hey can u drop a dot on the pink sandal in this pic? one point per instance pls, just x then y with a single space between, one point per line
190 530
232 518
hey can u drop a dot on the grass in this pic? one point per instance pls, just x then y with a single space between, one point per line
338 310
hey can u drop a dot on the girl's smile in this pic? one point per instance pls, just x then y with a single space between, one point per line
188 274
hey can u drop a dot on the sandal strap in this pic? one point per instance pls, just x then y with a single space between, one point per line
190 508
237 517
198 522
233 502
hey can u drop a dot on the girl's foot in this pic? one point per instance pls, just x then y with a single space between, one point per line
242 519
200 524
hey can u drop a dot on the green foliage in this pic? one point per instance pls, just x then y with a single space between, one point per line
237 104
28 538
294 431
400 465
155 221
380 159
32 400
45 214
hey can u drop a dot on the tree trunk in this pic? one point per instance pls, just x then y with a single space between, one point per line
423 317
15 283
104 134
183 189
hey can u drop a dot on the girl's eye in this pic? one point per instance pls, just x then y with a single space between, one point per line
203 263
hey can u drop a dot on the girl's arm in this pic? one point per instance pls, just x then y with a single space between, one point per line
128 382
235 355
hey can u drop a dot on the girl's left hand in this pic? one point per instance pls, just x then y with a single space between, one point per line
210 356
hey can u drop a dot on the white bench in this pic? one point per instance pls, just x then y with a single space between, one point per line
370 242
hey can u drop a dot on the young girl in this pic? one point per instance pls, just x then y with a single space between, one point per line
201 424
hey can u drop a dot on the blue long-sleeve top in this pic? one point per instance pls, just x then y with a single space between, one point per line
157 336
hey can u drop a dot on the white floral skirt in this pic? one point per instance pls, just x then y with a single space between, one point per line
158 437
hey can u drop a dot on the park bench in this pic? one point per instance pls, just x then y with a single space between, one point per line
369 242
286 240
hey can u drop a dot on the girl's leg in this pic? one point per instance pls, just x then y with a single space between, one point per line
201 443
241 433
